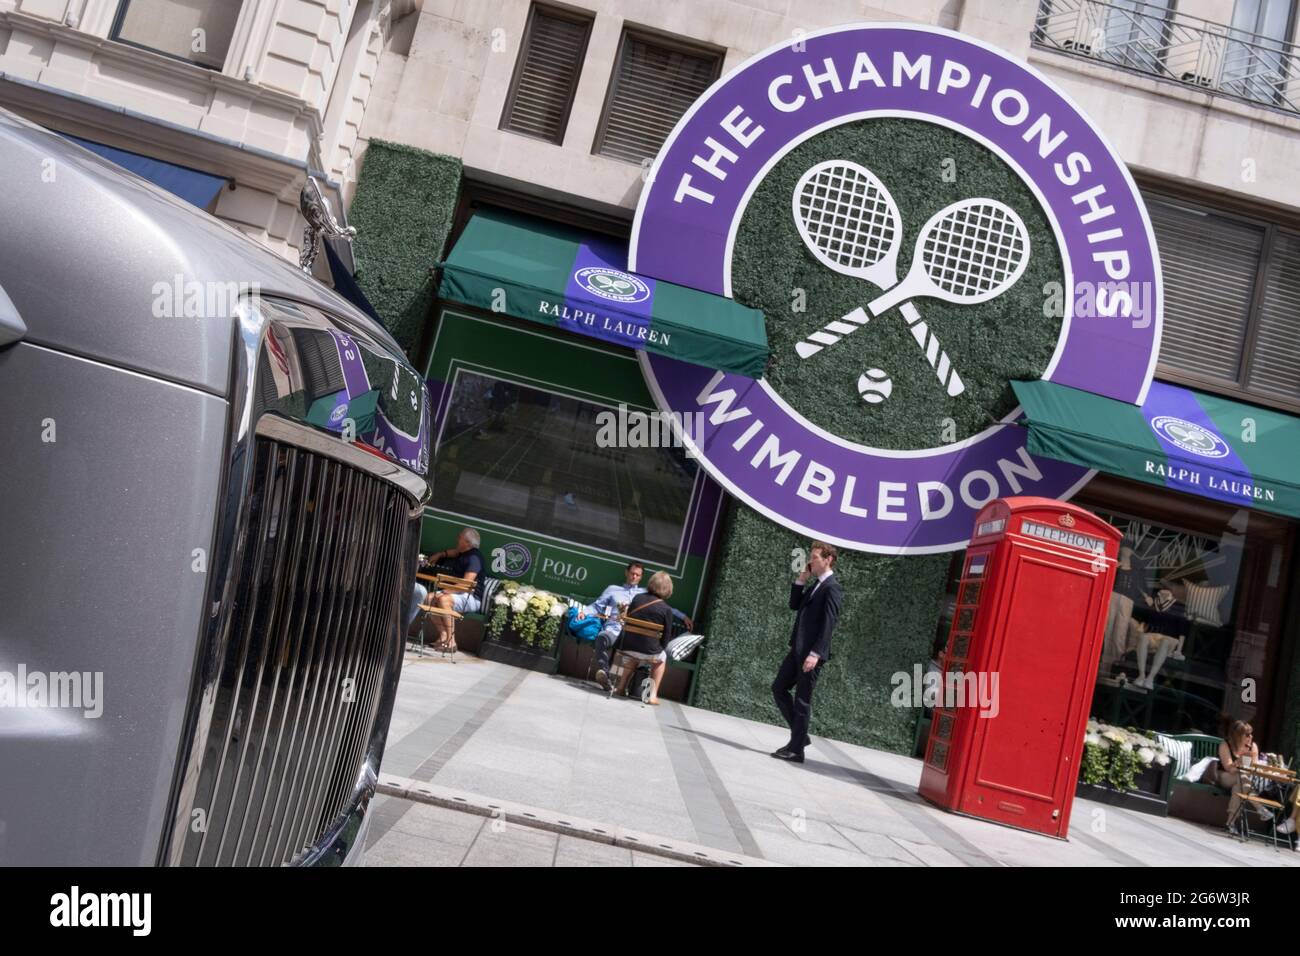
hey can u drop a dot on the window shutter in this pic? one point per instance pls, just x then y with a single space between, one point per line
546 75
653 86
1275 359
1209 265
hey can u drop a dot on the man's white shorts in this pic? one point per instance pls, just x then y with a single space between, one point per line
465 603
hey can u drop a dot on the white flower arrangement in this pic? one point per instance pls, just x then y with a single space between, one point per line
1116 754
532 614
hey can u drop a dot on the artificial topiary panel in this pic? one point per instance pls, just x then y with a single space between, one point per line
887 624
892 605
403 211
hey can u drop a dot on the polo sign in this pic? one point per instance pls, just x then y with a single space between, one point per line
1045 195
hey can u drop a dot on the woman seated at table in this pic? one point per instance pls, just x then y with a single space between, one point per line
1239 747
651 606
1289 824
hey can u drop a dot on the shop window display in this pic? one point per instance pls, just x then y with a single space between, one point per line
529 459
1169 629
1194 630
1193 635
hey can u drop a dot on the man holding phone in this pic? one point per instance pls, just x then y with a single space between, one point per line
815 597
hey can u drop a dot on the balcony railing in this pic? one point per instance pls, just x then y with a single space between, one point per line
1148 38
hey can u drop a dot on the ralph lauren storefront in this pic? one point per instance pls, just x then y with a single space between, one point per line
812 330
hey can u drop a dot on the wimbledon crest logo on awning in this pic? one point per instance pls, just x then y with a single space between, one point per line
612 284
1190 437
1042 200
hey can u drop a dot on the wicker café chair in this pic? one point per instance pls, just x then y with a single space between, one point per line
1261 778
450 584
622 663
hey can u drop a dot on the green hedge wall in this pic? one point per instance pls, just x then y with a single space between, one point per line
887 624
892 605
403 212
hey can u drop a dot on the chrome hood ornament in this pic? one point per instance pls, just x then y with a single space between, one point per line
320 223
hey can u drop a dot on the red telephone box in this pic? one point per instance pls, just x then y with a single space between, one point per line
1031 610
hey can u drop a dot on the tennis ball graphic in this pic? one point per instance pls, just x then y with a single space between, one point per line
874 386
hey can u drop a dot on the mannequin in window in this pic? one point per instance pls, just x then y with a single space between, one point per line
1162 629
1122 631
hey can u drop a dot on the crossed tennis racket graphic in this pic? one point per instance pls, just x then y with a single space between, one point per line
968 252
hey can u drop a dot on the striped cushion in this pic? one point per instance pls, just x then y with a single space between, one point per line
681 647
490 586
1203 603
1180 751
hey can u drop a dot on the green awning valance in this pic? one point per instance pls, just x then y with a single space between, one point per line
577 281
1178 438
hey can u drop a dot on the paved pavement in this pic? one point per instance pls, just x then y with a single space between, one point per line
436 836
685 774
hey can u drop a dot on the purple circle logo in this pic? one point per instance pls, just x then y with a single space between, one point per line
512 560
612 284
753 441
1190 437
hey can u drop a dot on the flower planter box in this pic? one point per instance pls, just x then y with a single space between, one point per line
1151 795
510 648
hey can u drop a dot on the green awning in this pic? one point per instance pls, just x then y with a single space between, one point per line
1178 438
562 277
331 411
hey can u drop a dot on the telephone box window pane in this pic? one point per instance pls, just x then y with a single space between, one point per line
944 730
965 618
528 459
970 592
939 756
960 645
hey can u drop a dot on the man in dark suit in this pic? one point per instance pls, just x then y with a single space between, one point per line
815 598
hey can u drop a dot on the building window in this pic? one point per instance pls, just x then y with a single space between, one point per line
1232 302
526 458
654 83
1252 59
546 73
197 31
1198 597
1259 57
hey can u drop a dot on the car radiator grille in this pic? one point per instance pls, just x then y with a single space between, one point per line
312 634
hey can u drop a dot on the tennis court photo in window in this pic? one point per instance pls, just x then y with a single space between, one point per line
527 459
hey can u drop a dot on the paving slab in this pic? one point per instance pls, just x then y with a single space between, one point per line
692 776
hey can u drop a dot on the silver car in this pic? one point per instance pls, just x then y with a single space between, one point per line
211 483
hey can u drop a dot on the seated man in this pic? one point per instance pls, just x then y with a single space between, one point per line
607 606
468 564
419 594
652 607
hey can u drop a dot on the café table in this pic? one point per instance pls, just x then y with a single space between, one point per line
1261 776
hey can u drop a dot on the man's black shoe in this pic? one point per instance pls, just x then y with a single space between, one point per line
785 753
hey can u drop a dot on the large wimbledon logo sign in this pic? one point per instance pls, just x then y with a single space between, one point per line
831 139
